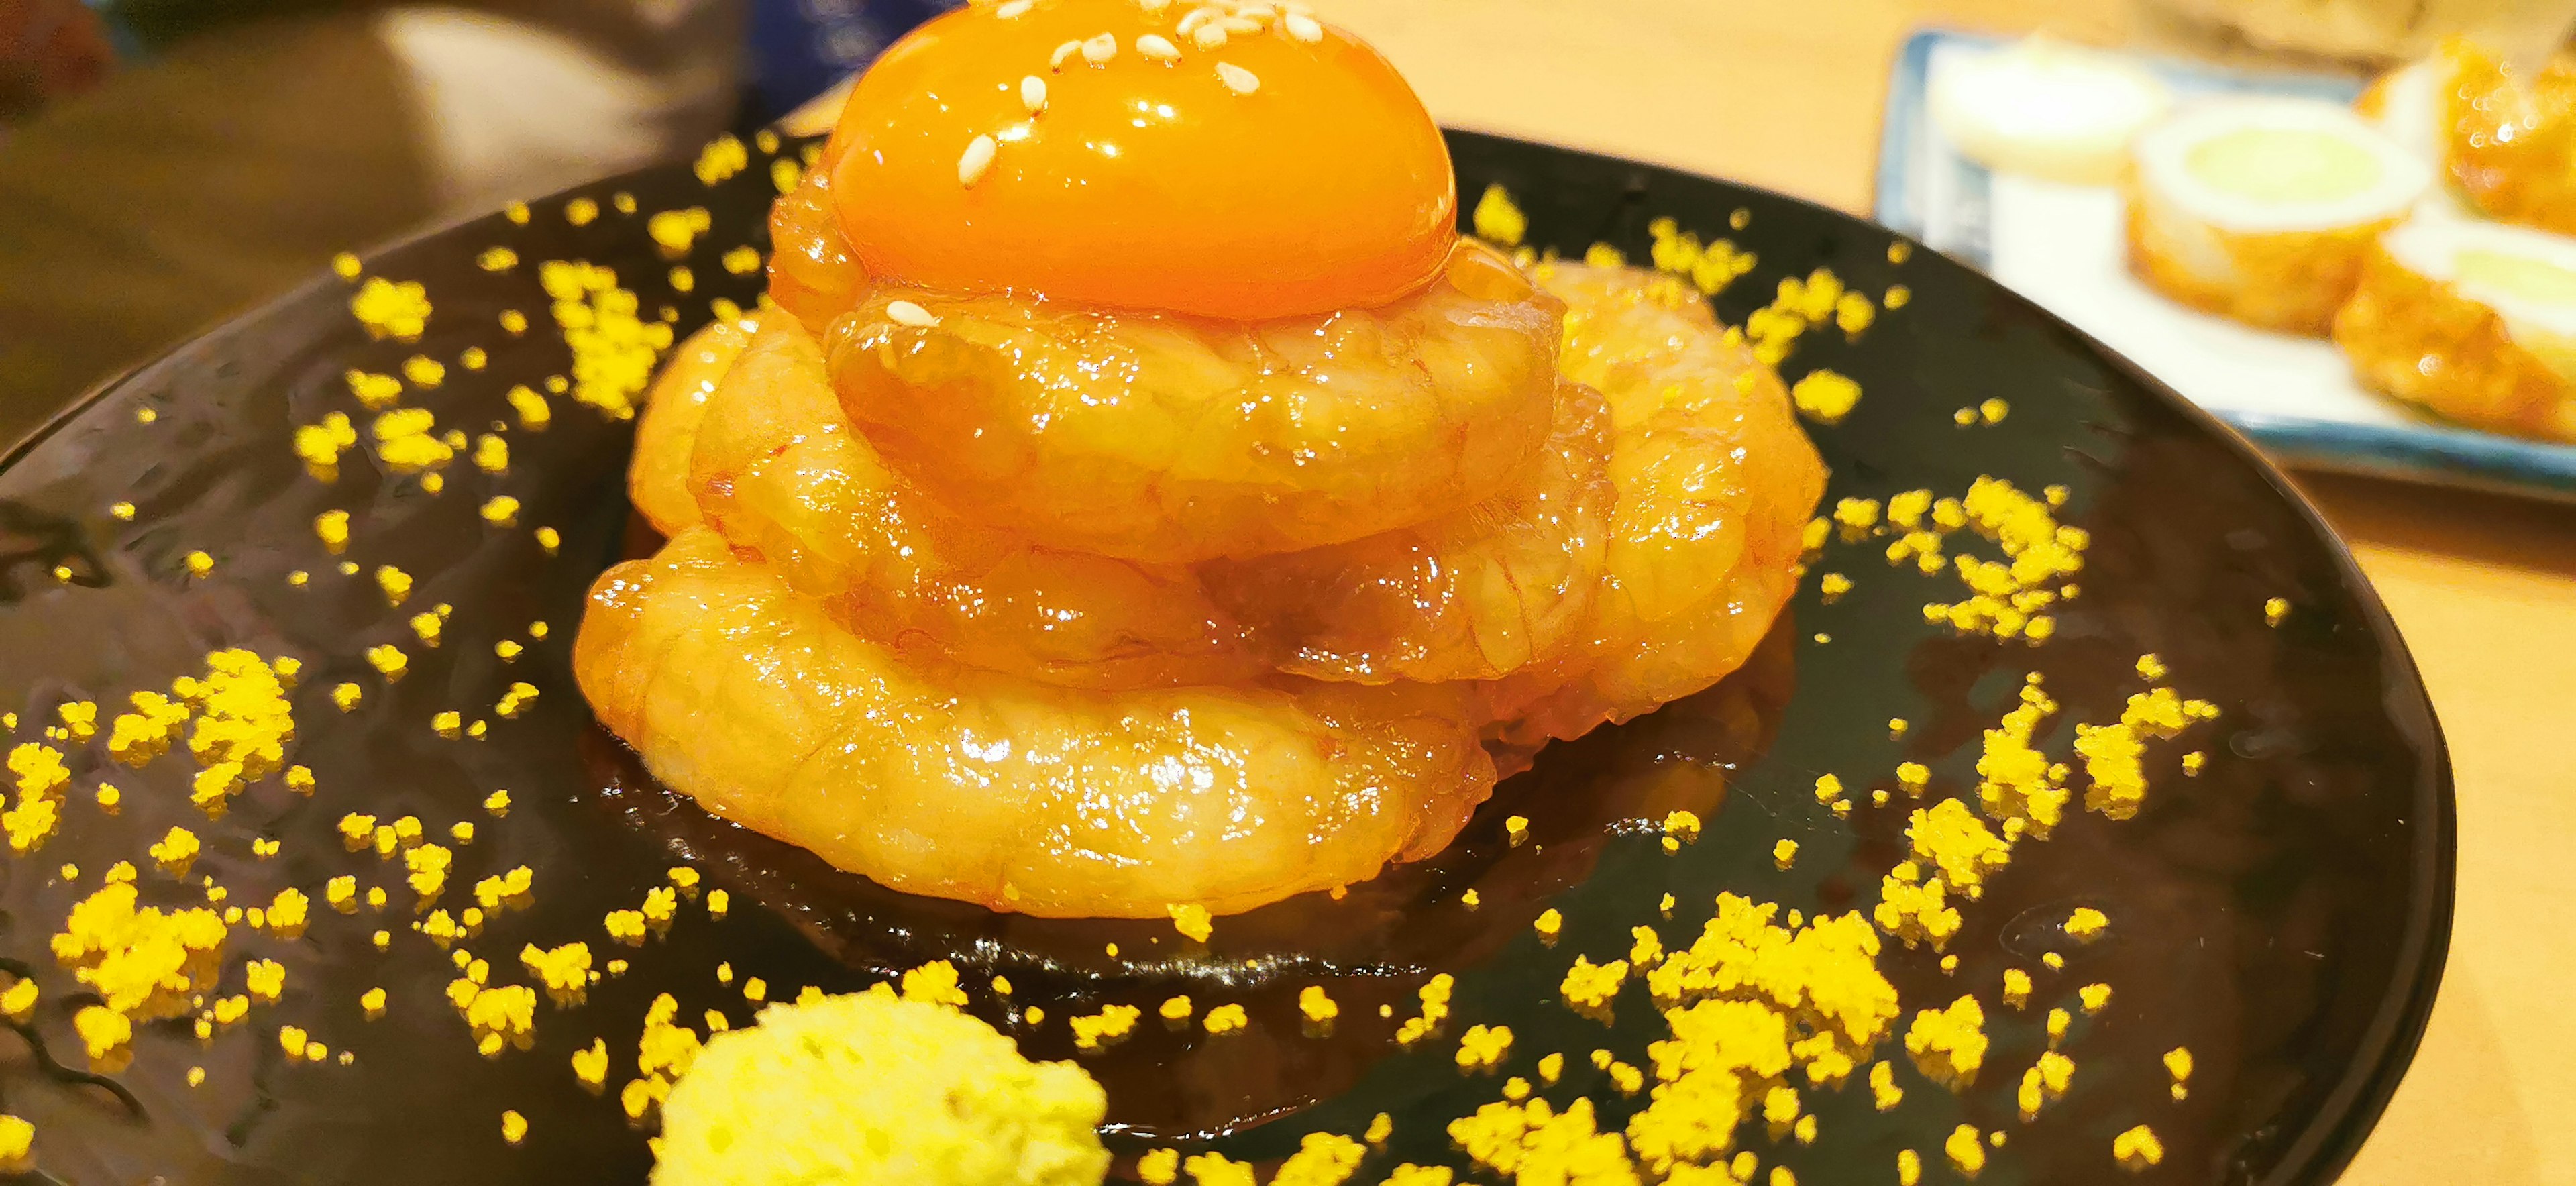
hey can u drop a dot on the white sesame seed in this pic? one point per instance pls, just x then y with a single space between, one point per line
1015 9
1195 18
1154 7
1033 94
1100 49
1055 61
1255 12
1303 27
1237 79
1157 47
978 157
1209 35
907 313
1236 24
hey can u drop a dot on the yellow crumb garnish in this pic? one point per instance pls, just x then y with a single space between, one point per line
1434 995
1548 923
2274 610
102 1030
1316 1005
1484 1047
1191 920
320 444
1225 1019
2151 667
2016 987
549 539
2086 923
265 978
1966 1149
391 310
1497 219
1949 1045
1112 1023
2093 997
1784 853
175 849
1825 396
1176 1008
2044 1081
395 582
199 564
1993 411
447 724
1915 910
2138 1148
514 1127
1953 839
1589 986
492 453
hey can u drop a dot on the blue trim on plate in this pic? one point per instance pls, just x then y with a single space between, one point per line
2429 453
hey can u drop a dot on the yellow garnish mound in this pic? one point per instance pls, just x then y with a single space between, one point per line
869 1088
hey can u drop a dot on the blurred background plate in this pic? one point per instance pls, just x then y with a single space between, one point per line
2283 914
2060 245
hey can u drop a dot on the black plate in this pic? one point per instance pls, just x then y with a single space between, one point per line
2283 914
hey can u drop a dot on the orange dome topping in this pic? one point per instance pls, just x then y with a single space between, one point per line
1234 159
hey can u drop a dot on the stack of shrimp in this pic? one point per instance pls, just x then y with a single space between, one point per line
1020 558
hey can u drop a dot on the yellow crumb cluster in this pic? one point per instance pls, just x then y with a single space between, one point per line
1710 267
1799 305
613 349
2015 781
1949 1045
391 310
40 775
1434 995
143 963
1951 838
2046 1080
1591 987
1098 1030
320 444
2112 753
2006 596
1746 1002
1914 908
1825 396
407 440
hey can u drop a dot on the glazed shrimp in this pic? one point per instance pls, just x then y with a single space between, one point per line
657 479
813 274
938 780
1715 481
1172 439
777 470
1474 595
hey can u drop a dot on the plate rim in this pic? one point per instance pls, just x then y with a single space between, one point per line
2351 1109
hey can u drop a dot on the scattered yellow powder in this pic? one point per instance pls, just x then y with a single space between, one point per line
102 1030
1316 1005
2138 1148
1953 839
1591 987
1949 1045
1825 396
1434 995
1497 219
1112 1023
391 310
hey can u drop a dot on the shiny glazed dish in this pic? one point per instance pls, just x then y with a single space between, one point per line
2310 857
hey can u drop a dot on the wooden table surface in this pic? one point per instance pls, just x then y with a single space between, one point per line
1787 94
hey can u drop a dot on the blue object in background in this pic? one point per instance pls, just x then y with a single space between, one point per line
799 48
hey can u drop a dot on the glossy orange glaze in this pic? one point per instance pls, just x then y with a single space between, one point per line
1144 181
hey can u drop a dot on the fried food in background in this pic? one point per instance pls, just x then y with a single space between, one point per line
2262 210
2473 321
2503 141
